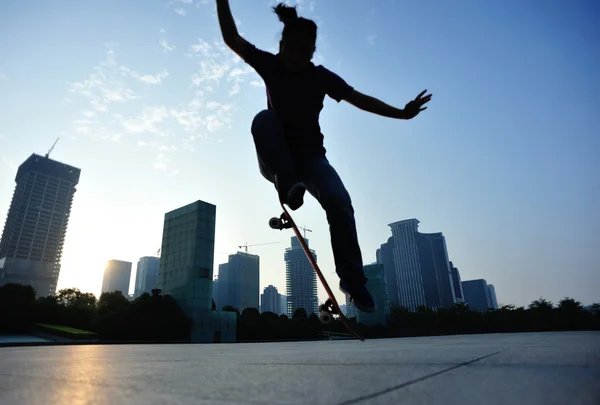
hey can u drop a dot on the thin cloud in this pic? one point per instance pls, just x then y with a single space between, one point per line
115 103
105 86
257 83
148 121
9 163
146 78
161 161
371 39
180 11
165 46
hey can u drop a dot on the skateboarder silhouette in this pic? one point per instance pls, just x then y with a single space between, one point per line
288 138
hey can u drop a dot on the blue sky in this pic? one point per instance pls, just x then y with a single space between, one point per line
156 112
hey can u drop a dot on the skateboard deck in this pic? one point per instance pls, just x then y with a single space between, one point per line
331 306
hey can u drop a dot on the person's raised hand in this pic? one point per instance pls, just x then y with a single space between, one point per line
414 107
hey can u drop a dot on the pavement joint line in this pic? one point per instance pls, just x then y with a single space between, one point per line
416 380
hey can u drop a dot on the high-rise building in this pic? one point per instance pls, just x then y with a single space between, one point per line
477 295
458 290
492 294
411 293
435 270
220 287
351 310
146 275
215 291
375 275
186 270
239 280
301 279
283 307
270 300
36 224
385 256
117 274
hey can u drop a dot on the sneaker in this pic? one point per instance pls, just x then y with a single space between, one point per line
359 296
295 197
291 193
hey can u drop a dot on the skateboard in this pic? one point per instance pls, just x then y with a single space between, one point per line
331 306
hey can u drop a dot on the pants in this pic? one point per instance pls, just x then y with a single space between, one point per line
322 182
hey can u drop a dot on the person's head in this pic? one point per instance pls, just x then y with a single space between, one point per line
299 37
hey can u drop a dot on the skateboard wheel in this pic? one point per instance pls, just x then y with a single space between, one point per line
325 317
275 223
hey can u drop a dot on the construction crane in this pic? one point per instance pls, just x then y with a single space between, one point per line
157 254
52 148
305 229
246 246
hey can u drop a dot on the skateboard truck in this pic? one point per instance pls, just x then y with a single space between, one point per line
326 312
281 223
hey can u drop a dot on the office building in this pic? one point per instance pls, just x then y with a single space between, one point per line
477 295
36 225
301 279
146 276
270 300
283 307
186 270
435 270
492 294
456 282
239 280
117 274
385 256
350 310
411 293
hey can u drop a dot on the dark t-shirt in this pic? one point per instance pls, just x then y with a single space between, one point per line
297 98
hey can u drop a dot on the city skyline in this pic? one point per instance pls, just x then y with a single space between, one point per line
502 162
406 229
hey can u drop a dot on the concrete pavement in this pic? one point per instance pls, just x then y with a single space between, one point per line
533 368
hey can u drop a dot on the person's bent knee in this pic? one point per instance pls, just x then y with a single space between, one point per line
338 199
263 121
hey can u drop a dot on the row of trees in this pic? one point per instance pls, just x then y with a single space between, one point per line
150 317
157 317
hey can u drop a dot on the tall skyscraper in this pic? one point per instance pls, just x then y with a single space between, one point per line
456 282
375 274
220 287
117 274
186 270
270 300
492 294
239 280
283 306
36 224
385 256
301 279
411 293
435 270
146 275
351 310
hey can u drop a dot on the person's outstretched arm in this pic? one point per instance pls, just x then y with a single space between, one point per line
375 106
231 37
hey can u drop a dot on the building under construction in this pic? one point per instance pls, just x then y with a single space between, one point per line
36 224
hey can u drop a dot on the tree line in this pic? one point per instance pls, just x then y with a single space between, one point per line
156 317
